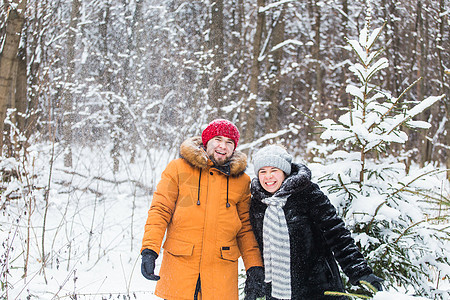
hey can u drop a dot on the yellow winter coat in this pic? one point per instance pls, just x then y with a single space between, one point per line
206 215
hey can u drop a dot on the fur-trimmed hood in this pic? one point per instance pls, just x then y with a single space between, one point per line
193 151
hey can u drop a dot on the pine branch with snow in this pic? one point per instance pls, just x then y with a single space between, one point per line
387 206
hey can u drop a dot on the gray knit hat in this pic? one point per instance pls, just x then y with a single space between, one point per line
272 156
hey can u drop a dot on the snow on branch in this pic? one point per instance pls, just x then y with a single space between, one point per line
264 138
274 5
419 108
287 42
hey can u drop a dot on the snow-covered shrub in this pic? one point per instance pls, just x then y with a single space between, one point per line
387 207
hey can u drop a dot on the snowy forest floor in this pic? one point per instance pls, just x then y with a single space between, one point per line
92 229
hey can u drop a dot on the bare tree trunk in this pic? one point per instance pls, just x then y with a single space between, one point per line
9 139
236 55
420 60
393 76
314 92
426 144
21 89
395 48
390 13
34 67
13 25
106 79
445 88
316 54
215 93
447 128
274 93
344 17
17 99
133 40
68 101
343 96
250 114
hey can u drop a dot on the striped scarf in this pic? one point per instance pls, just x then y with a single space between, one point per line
276 252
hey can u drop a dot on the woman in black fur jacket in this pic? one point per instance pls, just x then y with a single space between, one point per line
299 233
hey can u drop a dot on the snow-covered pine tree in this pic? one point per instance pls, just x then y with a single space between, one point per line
386 207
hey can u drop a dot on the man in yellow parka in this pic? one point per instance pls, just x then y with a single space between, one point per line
202 201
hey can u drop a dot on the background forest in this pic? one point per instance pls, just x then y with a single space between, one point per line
96 97
140 72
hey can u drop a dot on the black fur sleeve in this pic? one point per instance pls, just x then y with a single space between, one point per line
336 235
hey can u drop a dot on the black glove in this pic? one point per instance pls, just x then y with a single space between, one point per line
375 281
148 264
254 284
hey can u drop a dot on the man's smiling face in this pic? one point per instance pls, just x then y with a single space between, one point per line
220 149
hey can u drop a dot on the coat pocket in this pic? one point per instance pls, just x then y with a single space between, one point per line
178 248
230 253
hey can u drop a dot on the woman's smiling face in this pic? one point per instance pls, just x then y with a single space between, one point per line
271 178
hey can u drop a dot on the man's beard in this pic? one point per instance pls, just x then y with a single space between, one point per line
219 163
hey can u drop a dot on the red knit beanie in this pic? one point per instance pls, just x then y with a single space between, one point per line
220 127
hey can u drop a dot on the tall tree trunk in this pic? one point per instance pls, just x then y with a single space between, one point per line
343 96
393 76
21 89
317 55
107 82
314 96
250 114
13 28
444 78
274 91
421 141
426 144
395 48
215 93
9 139
135 50
69 97
392 51
420 60
344 17
40 7
236 55
17 100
